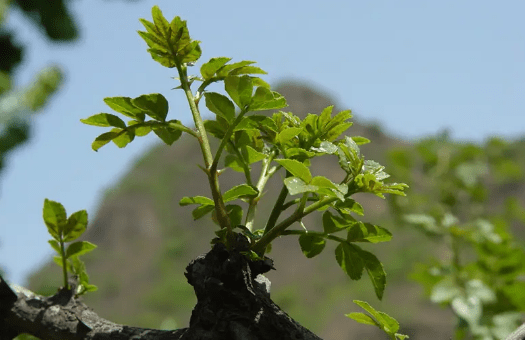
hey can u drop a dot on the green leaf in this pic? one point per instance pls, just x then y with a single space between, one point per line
383 320
55 218
154 105
234 163
139 130
153 40
220 105
191 53
347 256
324 118
104 139
54 244
124 137
246 70
79 248
326 147
296 168
332 224
311 244
366 232
240 89
196 200
360 140
202 211
209 69
375 271
255 122
239 191
226 69
104 119
295 186
125 106
251 155
215 128
287 134
264 99
363 318
327 187
160 21
76 225
350 205
167 133
234 213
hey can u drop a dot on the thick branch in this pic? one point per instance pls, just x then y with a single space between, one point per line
233 304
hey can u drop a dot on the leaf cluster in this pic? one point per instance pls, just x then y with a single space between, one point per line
66 229
379 319
280 143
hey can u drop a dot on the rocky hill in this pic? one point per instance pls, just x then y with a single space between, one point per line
145 240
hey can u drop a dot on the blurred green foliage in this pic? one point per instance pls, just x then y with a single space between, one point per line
480 269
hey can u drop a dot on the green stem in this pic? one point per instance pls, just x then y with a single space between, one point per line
265 175
213 178
225 140
64 264
271 234
276 211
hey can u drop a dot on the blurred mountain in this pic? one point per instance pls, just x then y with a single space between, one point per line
145 240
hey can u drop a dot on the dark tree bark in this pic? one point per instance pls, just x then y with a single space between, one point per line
233 303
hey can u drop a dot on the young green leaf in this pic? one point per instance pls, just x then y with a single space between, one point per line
239 191
79 248
125 106
104 119
202 211
240 90
382 320
140 131
55 218
124 137
296 168
349 205
363 318
160 22
220 105
311 244
196 200
209 69
54 244
76 225
295 186
287 134
104 139
154 105
264 99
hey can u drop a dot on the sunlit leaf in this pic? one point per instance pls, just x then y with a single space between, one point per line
79 248
154 105
104 119
296 168
196 200
239 191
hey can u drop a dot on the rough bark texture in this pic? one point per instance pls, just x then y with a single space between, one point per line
233 302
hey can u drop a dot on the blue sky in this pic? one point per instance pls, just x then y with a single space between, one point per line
416 67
